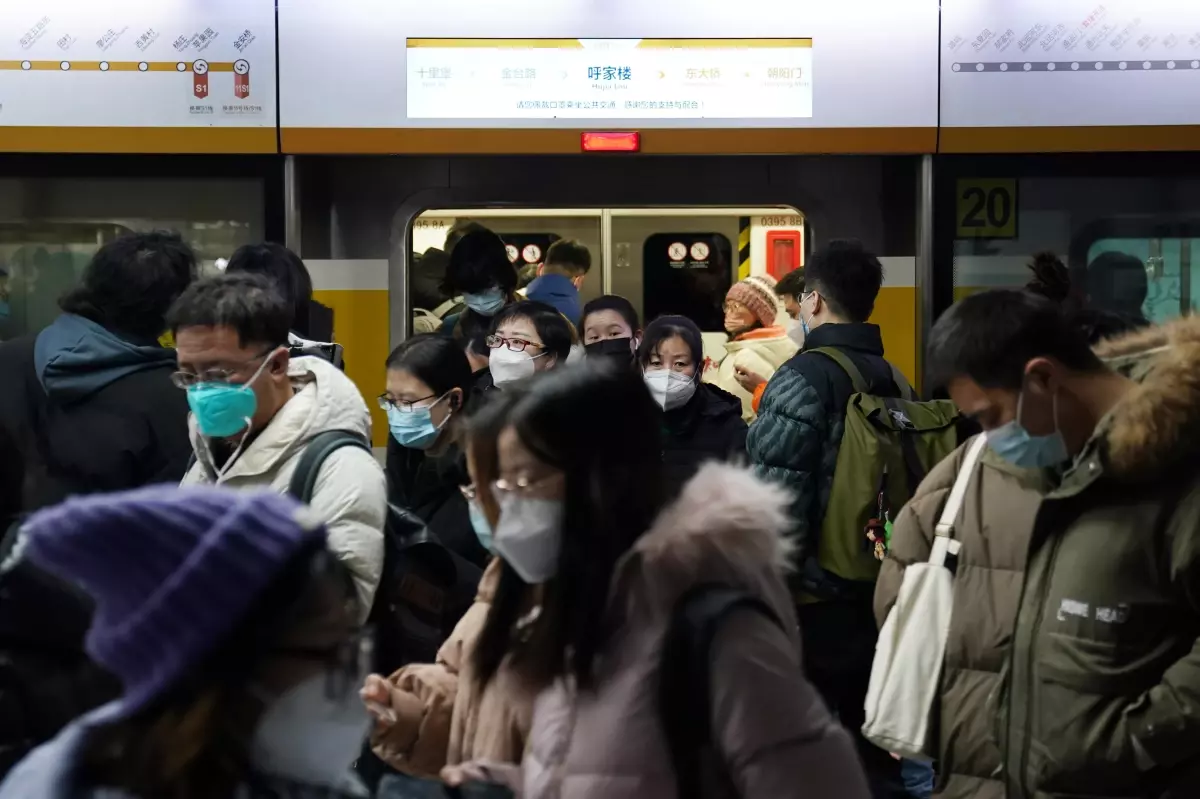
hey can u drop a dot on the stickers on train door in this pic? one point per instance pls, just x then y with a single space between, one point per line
677 251
511 249
699 251
532 253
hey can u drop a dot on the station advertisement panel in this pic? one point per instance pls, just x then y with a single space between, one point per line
366 67
172 75
1030 63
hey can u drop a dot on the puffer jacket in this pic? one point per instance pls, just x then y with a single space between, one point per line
443 717
993 527
351 490
761 351
1102 697
776 737
795 440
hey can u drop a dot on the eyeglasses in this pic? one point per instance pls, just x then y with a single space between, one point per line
386 403
514 344
736 307
522 484
186 380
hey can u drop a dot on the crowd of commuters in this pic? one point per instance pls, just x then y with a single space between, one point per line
662 609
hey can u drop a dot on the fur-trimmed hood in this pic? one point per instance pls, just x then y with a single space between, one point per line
726 526
1157 425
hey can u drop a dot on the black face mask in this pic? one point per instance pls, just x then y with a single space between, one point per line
619 349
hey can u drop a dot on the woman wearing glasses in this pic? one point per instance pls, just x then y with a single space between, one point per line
528 337
435 714
584 514
428 380
234 633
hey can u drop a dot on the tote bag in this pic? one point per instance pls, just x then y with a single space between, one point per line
906 672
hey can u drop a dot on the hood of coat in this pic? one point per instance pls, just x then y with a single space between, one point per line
1156 426
726 526
75 357
325 399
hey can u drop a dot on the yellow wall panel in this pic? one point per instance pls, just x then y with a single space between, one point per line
360 325
896 315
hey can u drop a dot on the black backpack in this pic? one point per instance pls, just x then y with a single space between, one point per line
425 588
685 684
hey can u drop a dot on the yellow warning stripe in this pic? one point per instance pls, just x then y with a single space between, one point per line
744 249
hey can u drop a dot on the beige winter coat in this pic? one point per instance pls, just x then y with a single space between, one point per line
443 717
775 736
762 351
351 490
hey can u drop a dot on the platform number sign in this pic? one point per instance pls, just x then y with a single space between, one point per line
987 208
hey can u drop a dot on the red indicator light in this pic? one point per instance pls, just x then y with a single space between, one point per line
609 142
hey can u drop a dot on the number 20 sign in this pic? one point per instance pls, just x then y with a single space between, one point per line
986 208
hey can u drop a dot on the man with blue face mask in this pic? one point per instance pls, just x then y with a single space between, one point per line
254 409
1102 692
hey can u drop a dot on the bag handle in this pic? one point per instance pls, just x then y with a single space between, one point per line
847 365
950 511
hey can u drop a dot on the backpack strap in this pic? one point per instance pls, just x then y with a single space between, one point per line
685 684
320 447
906 389
842 360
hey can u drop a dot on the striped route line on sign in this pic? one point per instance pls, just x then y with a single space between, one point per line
240 67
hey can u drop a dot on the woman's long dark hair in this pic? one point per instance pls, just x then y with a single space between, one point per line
599 426
194 742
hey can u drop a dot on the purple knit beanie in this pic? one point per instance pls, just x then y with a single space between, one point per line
172 571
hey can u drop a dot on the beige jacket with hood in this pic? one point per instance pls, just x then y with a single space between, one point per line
776 737
351 490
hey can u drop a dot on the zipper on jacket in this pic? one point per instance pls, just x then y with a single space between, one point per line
1031 659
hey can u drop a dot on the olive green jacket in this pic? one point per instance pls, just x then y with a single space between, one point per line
1101 696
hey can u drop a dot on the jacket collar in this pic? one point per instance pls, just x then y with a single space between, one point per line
850 335
726 525
1155 428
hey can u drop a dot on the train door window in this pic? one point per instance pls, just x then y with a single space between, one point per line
687 274
1159 271
527 251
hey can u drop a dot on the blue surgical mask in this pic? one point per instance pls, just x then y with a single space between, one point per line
1017 446
224 409
481 525
804 322
414 429
485 302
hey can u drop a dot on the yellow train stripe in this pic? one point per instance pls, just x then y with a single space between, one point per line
743 247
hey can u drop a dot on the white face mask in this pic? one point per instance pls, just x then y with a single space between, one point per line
306 737
508 366
795 332
670 389
529 535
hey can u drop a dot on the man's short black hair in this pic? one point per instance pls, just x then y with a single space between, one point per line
612 302
791 284
130 283
569 255
847 277
475 329
478 262
285 268
1117 282
991 336
251 304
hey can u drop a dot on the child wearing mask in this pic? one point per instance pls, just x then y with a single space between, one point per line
611 329
700 421
234 632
